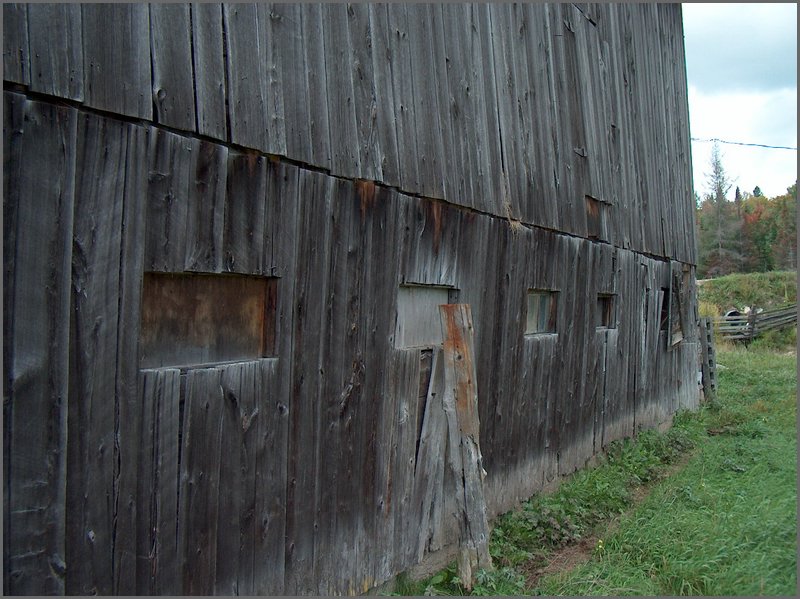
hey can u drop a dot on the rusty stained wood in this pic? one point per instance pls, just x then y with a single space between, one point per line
199 319
460 404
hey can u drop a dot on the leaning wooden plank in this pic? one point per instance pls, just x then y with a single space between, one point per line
243 230
127 434
56 44
116 58
206 210
36 415
246 77
200 479
16 56
94 337
460 403
430 458
273 30
209 70
173 76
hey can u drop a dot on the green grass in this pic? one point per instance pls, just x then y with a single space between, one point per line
725 524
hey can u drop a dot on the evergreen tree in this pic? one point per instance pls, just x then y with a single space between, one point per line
719 228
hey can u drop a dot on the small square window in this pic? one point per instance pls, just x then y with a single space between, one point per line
542 312
596 218
418 321
605 311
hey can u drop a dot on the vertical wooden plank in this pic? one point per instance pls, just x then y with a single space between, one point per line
345 156
310 291
270 454
313 36
127 431
273 29
246 92
116 58
382 60
13 115
403 91
56 44
200 481
35 417
488 119
158 482
365 93
237 468
244 226
430 148
16 55
173 73
210 76
94 337
172 159
206 210
290 93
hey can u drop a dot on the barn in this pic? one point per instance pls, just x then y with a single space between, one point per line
227 234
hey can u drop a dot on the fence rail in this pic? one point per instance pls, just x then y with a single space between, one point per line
749 326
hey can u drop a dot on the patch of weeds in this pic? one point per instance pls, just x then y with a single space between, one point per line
502 581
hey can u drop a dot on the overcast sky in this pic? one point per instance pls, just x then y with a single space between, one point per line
741 62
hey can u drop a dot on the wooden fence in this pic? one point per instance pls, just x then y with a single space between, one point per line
747 327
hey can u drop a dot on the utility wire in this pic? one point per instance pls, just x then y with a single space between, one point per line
739 143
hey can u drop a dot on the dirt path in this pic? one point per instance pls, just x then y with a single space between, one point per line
576 554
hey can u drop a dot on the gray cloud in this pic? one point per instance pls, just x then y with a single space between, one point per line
738 47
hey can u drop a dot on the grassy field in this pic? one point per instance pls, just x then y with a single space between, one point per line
707 508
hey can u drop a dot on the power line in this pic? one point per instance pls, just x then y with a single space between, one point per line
739 143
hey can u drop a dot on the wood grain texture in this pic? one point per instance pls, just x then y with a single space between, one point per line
94 338
246 77
35 415
56 54
173 67
210 76
116 58
16 52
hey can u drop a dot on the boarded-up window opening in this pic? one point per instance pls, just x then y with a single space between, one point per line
542 311
605 311
418 322
596 219
193 319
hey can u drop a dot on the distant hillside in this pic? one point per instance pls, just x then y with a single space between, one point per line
760 289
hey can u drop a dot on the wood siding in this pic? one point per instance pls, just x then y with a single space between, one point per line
341 152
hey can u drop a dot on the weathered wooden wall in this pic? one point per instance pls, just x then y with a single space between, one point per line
246 139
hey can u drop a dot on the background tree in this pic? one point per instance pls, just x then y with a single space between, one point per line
719 229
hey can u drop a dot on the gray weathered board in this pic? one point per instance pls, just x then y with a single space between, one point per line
340 155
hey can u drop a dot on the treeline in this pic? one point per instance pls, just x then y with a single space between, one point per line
749 233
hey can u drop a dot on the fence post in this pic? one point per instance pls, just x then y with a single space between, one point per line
751 324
